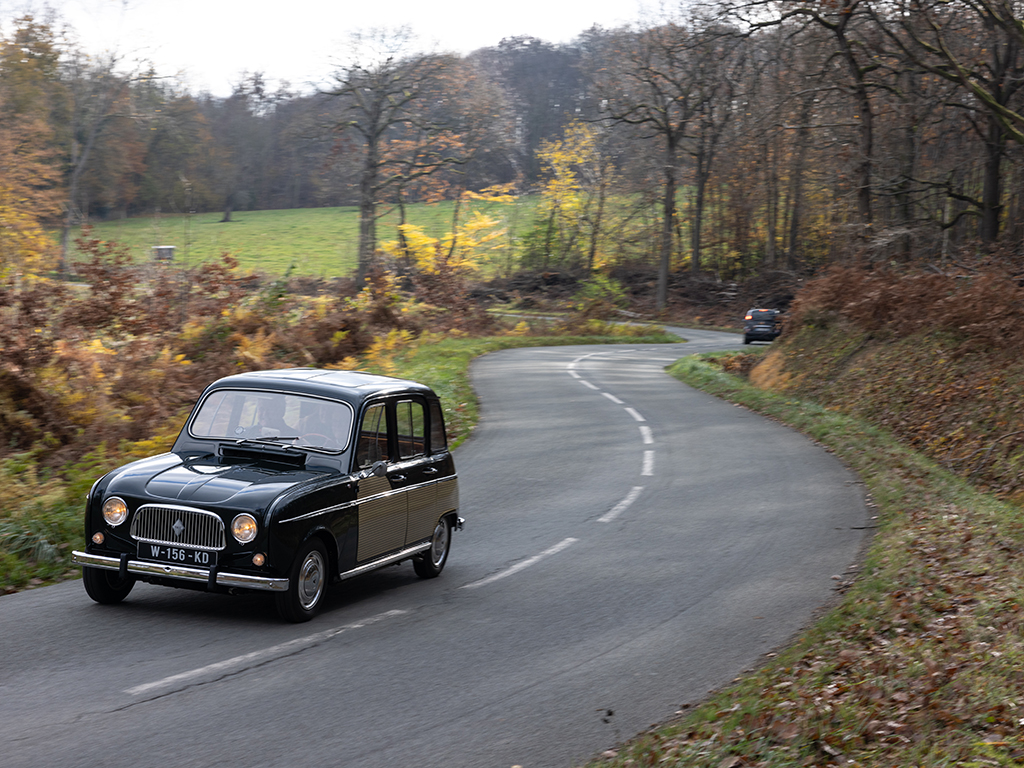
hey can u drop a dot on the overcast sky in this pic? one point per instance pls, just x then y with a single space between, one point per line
210 42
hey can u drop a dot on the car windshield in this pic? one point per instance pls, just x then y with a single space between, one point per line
762 316
273 417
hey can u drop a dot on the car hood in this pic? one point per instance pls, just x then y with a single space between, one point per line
170 478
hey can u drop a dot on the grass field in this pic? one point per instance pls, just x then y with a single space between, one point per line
320 242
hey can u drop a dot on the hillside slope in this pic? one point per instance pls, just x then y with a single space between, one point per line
936 359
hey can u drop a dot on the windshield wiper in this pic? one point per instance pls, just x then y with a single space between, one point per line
274 441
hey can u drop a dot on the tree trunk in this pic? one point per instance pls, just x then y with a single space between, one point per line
229 208
908 170
367 213
863 171
668 217
992 185
803 137
595 232
703 172
772 203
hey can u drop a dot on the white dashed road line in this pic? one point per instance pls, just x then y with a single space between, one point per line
249 660
622 506
648 470
521 564
635 414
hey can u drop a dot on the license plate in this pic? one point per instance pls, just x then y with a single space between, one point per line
178 555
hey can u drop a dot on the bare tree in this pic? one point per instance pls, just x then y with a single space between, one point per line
645 78
979 46
98 90
388 93
857 49
719 63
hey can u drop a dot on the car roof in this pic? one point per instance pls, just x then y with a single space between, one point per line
352 386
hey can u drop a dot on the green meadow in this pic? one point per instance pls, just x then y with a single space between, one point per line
318 242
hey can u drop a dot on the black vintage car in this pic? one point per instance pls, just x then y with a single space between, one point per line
761 325
281 481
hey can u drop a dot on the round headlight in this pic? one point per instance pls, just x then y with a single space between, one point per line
244 527
115 511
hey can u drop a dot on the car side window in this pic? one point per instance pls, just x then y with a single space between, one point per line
412 429
373 437
438 439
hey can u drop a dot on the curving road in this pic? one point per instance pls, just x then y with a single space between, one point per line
630 544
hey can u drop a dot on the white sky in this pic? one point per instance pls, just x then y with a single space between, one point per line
211 42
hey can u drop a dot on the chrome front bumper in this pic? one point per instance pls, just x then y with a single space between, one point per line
218 578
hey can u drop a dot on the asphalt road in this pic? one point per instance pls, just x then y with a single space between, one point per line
630 544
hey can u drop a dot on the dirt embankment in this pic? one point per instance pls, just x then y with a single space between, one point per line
938 359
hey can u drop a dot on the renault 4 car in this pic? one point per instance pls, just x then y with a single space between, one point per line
281 481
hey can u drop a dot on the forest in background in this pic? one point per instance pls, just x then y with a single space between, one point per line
735 137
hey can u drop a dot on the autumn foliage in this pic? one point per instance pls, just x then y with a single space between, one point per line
936 357
119 357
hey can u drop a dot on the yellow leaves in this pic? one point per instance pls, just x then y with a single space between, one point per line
382 352
254 350
29 180
97 347
345 364
522 329
564 161
497 193
460 252
25 251
77 379
167 359
322 306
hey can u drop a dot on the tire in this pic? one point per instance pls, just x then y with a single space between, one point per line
106 587
431 563
746 340
307 584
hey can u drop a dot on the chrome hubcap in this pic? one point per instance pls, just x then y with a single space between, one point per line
439 546
311 580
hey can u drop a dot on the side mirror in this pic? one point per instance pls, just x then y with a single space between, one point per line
377 469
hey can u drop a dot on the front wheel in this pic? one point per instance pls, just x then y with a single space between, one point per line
106 587
307 584
431 563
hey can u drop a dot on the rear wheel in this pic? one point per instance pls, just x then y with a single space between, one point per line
106 587
307 584
431 563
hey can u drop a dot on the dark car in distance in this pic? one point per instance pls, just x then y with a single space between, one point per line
281 481
761 325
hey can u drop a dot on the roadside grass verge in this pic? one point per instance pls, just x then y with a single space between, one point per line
921 663
41 511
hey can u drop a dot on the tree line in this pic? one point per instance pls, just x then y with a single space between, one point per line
723 139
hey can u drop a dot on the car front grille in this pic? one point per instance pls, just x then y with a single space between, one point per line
179 527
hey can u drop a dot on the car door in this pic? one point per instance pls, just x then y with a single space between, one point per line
418 467
446 480
383 498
